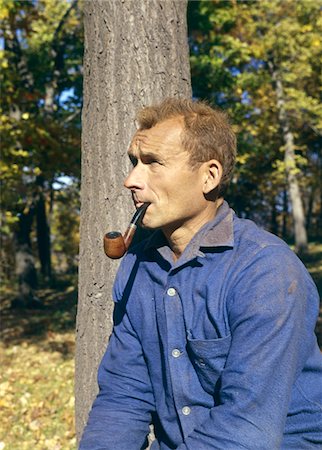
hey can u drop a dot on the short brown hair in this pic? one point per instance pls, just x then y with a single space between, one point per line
207 132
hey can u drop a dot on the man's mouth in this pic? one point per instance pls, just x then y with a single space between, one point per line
138 204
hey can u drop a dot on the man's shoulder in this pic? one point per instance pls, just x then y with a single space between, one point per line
256 247
253 243
247 232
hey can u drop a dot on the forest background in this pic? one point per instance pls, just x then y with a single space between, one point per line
260 61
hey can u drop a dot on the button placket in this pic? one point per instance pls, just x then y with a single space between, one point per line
171 292
177 357
176 353
186 410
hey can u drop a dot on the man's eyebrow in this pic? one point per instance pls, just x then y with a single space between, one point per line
149 154
132 152
142 153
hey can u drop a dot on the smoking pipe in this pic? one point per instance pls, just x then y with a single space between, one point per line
116 245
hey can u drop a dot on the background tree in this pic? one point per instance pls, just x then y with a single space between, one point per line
260 61
136 53
40 127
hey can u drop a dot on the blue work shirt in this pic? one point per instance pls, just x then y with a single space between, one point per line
217 348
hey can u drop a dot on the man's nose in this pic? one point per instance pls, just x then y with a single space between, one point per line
135 179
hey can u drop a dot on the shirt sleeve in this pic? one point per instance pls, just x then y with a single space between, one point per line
272 309
121 413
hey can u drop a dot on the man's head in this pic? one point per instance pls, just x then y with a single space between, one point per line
206 135
179 155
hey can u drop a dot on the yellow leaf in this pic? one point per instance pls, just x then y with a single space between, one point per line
25 398
34 425
4 387
4 14
306 28
5 404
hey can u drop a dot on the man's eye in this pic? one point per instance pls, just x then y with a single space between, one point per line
151 161
133 160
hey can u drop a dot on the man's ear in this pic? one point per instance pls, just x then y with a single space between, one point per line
212 175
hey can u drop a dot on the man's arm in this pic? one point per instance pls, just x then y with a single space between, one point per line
121 413
272 320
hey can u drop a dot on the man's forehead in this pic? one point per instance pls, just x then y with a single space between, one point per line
165 133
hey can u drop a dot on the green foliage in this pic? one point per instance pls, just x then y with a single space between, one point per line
235 47
40 104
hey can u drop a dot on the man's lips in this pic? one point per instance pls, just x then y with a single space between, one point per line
138 204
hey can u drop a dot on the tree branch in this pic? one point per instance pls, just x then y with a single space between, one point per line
57 50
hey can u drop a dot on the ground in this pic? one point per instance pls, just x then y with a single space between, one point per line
37 376
37 361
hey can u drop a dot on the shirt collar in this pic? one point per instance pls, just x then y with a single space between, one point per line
219 232
216 233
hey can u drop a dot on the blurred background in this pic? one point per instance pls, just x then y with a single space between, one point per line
260 61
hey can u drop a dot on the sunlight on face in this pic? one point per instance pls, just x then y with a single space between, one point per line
162 175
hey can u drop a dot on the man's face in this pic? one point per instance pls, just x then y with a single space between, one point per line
162 176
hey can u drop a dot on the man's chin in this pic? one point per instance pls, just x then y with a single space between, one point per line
148 224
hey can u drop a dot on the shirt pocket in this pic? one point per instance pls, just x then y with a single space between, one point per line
208 357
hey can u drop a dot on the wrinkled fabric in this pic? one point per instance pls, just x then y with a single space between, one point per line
216 349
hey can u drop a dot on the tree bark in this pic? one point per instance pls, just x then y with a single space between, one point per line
24 261
136 53
274 222
295 196
285 214
310 205
43 230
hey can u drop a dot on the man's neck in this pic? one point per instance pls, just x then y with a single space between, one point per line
179 238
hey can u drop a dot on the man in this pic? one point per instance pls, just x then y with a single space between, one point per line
213 338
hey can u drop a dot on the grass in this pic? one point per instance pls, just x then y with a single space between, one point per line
37 361
37 377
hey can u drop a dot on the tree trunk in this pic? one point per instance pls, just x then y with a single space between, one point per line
24 261
43 234
274 222
295 197
310 205
136 53
285 214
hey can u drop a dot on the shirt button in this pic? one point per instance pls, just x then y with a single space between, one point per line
186 410
176 353
171 292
